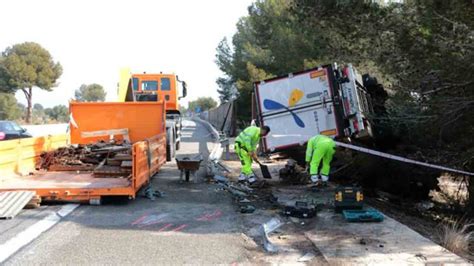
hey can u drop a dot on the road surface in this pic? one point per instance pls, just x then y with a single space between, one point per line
201 224
190 224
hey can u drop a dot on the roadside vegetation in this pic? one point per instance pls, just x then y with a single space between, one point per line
458 237
28 67
422 51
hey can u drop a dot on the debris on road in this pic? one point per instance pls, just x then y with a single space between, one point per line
307 257
292 173
267 228
247 209
301 209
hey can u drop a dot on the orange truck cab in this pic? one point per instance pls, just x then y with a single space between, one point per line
147 87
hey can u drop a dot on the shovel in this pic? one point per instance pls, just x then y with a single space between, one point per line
265 172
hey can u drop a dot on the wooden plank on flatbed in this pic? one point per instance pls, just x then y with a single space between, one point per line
109 132
107 170
66 167
126 164
123 157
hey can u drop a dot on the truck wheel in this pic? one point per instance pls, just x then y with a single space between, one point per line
170 151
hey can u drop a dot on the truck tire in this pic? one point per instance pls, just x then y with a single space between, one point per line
169 152
170 146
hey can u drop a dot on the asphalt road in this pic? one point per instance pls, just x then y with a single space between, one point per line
191 224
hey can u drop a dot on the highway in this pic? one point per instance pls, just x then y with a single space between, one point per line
191 224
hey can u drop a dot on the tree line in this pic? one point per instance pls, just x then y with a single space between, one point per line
26 67
422 51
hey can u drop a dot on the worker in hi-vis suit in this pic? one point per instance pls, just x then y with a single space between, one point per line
245 148
319 148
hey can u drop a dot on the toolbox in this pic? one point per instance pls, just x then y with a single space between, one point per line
301 209
348 198
369 215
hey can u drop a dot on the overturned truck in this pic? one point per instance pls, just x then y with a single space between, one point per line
330 100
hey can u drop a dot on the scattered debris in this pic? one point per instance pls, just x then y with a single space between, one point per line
424 205
150 193
247 209
421 256
301 209
307 257
292 173
295 220
219 178
267 228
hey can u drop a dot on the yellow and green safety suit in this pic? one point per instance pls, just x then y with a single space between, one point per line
246 143
319 148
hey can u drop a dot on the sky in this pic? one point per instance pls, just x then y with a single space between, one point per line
94 39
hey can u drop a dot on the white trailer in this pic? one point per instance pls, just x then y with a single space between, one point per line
328 100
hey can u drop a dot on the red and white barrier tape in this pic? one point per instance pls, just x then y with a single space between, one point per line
399 158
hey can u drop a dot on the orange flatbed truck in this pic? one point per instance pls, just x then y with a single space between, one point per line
18 158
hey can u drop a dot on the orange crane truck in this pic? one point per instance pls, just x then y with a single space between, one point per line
157 87
90 124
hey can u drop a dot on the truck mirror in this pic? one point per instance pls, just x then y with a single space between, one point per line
185 90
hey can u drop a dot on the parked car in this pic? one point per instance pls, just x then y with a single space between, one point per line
11 130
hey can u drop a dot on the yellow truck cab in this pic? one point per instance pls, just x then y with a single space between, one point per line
155 87
147 87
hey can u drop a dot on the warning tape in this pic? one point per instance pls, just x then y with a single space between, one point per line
399 158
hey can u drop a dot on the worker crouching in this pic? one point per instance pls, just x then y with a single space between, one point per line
245 148
320 148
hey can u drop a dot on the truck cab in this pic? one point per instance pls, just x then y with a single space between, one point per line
152 87
155 87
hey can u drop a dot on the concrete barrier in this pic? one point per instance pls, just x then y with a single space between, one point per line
222 118
213 166
208 126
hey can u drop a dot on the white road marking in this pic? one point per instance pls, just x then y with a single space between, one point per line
31 233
